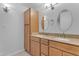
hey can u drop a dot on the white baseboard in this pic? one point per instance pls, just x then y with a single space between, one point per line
14 53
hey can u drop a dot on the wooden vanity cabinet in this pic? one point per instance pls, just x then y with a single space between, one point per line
35 46
45 47
69 49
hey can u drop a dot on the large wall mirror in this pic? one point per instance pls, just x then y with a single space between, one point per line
64 20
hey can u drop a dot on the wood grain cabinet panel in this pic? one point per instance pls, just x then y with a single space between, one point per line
42 54
70 48
44 49
37 39
34 21
37 49
30 25
67 54
27 17
35 46
44 41
65 47
27 37
55 44
32 48
54 52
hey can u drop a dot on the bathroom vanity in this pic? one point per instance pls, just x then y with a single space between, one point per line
44 44
47 45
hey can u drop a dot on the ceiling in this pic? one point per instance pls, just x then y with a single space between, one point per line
33 5
29 5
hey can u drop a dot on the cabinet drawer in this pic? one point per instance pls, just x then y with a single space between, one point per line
44 49
37 39
66 47
54 44
44 41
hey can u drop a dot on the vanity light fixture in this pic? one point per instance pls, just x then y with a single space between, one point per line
50 5
5 7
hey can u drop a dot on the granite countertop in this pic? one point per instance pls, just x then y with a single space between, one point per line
73 41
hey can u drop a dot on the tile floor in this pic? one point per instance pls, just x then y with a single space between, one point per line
23 53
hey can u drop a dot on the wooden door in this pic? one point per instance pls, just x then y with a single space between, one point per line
35 48
27 38
32 47
27 30
27 16
34 21
54 52
44 49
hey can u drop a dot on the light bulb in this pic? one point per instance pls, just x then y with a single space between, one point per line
7 5
47 5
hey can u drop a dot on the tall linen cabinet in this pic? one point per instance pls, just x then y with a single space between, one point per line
30 25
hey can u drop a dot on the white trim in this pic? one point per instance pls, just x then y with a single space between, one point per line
15 52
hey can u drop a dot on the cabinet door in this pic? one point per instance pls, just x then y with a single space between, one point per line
35 48
54 52
27 38
32 47
27 16
34 21
67 54
44 49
